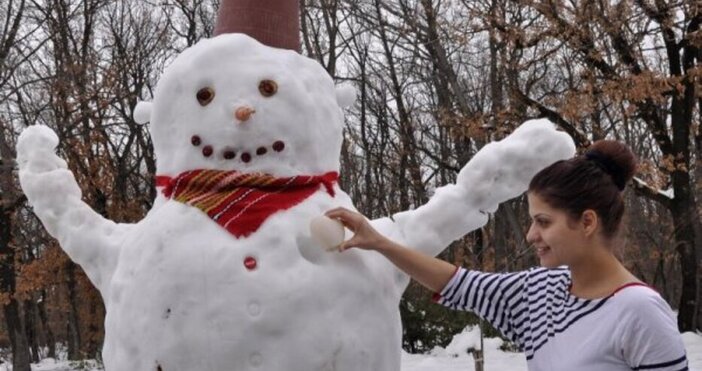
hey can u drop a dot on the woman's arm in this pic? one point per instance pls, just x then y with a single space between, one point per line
496 297
431 272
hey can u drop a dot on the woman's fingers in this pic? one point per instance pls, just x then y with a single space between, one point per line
344 245
353 242
339 213
364 237
347 217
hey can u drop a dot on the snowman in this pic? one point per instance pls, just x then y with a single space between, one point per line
224 272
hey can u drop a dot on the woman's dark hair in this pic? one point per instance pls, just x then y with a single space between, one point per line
593 181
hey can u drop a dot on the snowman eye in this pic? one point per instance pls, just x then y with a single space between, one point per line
205 96
268 88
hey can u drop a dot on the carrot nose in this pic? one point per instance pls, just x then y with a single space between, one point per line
244 113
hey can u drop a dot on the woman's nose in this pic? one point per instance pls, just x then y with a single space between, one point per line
531 235
244 113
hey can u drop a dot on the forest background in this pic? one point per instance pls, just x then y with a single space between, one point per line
436 81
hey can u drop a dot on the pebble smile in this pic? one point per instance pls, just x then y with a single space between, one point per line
230 154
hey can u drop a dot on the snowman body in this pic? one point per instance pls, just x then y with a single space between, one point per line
182 293
182 298
272 299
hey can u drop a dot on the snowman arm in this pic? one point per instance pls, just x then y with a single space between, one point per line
430 272
446 217
498 172
88 238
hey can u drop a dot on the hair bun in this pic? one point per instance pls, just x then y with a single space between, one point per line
615 158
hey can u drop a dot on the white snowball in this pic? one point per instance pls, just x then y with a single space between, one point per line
327 232
142 112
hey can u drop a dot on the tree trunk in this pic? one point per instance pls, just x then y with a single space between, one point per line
18 338
93 341
73 340
683 219
9 203
30 325
408 160
50 340
13 320
500 239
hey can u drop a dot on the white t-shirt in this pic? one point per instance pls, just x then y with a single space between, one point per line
631 329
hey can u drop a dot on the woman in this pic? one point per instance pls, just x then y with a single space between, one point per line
582 310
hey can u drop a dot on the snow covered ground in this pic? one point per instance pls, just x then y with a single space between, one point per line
451 358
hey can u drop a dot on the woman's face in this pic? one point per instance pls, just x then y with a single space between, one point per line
558 238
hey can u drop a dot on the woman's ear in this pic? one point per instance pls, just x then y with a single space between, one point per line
589 221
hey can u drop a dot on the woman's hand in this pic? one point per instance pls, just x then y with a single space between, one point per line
427 270
365 236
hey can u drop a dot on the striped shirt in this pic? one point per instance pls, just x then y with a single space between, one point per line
631 329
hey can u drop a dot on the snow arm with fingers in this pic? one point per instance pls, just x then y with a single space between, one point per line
498 172
88 238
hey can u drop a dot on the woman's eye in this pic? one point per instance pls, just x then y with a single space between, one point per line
205 96
268 88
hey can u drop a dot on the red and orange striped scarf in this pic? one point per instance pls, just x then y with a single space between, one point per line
241 202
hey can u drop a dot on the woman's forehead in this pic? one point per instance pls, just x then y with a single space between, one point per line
537 205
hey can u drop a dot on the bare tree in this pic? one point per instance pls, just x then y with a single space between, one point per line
612 67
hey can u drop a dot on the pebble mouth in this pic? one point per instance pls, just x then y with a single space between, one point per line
229 153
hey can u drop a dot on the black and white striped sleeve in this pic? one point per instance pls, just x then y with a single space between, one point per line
495 297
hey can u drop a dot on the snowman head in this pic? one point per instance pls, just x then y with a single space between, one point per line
231 103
